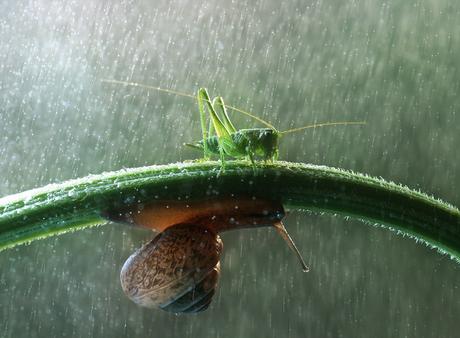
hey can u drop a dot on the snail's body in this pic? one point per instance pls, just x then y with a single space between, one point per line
218 214
178 270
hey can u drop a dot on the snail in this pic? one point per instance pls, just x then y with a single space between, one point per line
178 270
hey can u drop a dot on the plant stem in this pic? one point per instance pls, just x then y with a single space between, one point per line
76 204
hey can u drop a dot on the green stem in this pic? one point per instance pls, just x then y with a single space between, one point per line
77 204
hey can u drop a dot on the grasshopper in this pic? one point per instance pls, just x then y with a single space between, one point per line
220 137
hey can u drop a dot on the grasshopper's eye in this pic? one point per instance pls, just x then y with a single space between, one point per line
177 271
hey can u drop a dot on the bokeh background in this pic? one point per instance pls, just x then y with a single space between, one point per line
394 64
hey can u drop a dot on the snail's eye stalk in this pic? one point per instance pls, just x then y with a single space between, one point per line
279 226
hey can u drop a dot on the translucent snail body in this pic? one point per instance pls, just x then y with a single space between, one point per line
217 214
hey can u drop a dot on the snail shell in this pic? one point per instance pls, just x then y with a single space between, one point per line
177 271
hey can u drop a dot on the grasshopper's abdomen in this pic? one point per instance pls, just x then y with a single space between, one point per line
258 143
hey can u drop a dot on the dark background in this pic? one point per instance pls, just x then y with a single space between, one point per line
394 64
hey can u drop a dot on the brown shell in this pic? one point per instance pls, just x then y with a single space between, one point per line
176 271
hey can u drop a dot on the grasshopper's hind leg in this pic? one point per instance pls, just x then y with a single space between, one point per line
202 97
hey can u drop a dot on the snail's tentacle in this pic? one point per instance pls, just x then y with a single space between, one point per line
279 226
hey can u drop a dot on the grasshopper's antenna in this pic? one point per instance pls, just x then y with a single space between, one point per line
269 125
135 84
279 226
326 124
170 91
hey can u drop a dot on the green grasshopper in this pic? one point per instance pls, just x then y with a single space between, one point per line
223 139
228 141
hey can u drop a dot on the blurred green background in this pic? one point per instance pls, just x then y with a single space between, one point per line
394 64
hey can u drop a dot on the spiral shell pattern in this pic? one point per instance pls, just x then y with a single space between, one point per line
177 271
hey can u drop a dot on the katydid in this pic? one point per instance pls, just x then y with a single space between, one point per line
223 139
